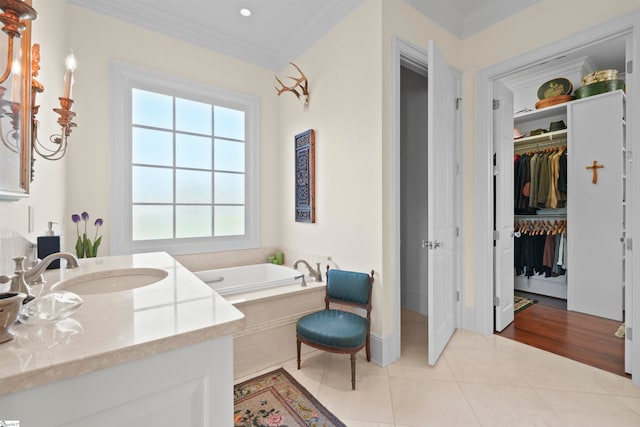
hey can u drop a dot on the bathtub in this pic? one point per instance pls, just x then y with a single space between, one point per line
234 280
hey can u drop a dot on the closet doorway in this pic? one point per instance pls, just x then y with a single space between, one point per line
413 184
569 49
567 227
413 209
426 242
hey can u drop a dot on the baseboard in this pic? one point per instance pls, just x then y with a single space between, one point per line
383 350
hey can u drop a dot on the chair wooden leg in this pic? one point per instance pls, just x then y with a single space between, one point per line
368 348
298 343
353 371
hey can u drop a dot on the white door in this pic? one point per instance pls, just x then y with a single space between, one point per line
503 235
441 165
595 206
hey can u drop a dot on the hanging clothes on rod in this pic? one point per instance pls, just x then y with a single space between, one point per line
540 178
540 247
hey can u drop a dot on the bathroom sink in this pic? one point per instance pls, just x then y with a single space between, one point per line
102 282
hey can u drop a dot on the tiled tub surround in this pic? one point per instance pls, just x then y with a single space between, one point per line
269 334
214 260
143 346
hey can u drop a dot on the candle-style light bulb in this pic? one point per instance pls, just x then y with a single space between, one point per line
70 64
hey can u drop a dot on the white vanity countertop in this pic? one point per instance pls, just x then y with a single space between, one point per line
117 327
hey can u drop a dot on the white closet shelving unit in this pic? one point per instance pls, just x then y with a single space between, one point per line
595 211
526 122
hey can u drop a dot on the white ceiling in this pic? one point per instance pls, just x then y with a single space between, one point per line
280 30
466 17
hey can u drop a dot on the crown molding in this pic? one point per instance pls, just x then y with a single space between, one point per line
536 76
173 26
313 30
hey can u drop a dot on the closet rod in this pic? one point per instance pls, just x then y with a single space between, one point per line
538 146
538 217
543 140
548 136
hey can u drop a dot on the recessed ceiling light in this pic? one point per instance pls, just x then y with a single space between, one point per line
245 12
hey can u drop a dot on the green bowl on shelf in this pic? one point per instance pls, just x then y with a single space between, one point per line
598 88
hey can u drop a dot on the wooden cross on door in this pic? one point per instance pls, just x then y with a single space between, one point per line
595 168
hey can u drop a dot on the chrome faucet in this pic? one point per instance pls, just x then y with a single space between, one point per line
33 276
21 279
316 274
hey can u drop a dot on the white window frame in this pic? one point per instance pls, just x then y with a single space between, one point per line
123 79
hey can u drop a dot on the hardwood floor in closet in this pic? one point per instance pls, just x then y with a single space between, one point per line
588 339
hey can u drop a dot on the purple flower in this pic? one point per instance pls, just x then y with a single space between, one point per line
85 248
76 219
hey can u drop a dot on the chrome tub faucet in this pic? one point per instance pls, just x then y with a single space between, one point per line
315 273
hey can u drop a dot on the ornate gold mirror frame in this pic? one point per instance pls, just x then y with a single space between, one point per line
15 123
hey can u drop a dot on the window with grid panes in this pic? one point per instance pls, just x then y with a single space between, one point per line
191 168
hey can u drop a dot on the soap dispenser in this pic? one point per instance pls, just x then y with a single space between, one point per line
49 244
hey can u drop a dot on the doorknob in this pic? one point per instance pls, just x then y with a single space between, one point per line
431 244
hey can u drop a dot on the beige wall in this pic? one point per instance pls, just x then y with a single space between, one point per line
96 41
48 188
345 111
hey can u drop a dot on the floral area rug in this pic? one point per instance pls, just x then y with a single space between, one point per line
276 399
520 303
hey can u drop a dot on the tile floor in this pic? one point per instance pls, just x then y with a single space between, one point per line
479 381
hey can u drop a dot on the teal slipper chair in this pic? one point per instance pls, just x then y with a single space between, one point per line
340 331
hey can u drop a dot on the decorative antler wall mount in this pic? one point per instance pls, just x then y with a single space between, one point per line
301 86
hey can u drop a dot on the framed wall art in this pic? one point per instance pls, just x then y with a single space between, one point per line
305 176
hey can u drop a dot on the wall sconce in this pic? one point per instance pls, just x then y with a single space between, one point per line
14 13
11 110
60 141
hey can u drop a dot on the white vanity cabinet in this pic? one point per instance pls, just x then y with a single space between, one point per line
158 354
187 387
595 207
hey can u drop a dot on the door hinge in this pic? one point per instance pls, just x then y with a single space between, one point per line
457 168
457 295
496 301
458 103
628 333
629 244
630 66
496 171
457 231
496 235
496 104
